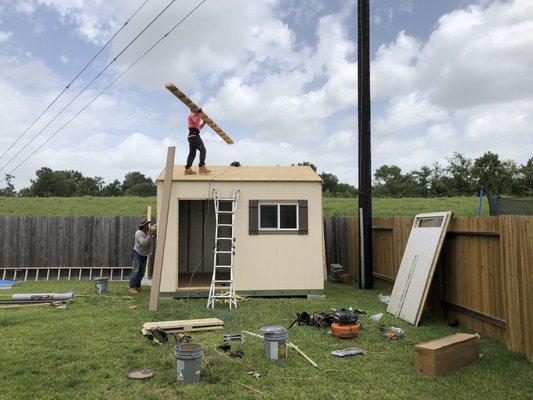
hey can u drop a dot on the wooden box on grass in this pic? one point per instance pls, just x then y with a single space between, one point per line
440 356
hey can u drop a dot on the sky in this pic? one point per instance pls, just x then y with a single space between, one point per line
280 76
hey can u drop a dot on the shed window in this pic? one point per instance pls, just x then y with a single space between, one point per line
278 217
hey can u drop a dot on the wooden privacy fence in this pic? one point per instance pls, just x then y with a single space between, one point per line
66 247
484 276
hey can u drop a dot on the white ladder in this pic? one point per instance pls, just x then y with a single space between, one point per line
222 221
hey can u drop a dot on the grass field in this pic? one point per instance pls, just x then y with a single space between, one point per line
65 206
85 351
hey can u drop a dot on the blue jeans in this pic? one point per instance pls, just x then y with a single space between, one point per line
138 264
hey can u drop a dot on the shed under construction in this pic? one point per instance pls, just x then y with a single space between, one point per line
277 246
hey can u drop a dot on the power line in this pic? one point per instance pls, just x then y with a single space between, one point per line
112 82
74 79
87 85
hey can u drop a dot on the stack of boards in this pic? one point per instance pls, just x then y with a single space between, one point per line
186 325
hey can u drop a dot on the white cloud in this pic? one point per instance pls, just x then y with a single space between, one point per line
64 59
467 88
5 36
25 6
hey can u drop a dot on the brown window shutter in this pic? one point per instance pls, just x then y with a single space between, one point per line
303 225
253 207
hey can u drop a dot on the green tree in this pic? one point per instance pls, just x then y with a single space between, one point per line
112 189
422 181
460 181
493 174
144 189
134 178
88 186
390 182
525 178
9 190
329 183
53 183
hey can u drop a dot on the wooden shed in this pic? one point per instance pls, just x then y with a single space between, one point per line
277 228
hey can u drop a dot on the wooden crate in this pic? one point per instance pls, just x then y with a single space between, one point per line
440 356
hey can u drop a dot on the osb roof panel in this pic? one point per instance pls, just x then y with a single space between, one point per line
247 173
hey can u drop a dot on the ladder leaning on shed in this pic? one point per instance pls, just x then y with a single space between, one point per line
224 249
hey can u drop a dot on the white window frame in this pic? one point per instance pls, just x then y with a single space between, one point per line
278 228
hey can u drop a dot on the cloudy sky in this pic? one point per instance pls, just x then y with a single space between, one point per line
279 75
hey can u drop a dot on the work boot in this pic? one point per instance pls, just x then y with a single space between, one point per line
133 290
203 170
189 171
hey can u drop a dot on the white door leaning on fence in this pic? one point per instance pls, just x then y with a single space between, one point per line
418 265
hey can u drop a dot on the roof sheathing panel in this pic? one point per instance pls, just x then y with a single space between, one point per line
248 174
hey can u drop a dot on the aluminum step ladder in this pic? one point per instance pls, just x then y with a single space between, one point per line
225 247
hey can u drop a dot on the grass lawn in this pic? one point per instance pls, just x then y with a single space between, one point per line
65 206
83 352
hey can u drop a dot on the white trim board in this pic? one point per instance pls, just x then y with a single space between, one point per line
418 265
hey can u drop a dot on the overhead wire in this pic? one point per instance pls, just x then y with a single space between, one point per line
88 84
74 79
112 82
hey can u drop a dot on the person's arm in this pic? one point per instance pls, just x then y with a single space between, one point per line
202 124
147 240
144 240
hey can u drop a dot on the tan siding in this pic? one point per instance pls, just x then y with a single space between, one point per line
263 262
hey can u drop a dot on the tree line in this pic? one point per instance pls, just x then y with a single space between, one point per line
461 176
49 183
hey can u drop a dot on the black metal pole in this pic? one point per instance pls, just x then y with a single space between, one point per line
366 280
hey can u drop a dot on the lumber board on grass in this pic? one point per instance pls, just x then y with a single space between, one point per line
188 325
189 103
162 233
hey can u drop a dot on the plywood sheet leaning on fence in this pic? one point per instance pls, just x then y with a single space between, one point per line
189 103
418 266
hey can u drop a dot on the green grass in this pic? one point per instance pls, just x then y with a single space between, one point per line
84 352
387 207
76 206
64 206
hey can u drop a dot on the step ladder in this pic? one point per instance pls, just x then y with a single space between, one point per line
224 246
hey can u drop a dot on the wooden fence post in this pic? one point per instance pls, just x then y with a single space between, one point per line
516 248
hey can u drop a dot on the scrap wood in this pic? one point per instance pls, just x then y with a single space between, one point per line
189 103
18 304
186 325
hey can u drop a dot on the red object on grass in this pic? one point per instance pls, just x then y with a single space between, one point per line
345 331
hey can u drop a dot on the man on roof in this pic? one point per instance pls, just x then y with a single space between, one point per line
196 124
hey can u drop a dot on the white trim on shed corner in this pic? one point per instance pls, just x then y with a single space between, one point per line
280 203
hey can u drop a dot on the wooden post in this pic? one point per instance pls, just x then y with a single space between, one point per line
162 230
150 261
366 280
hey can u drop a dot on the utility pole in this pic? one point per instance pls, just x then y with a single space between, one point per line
366 280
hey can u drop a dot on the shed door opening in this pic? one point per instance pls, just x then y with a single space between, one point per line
196 235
